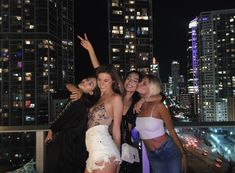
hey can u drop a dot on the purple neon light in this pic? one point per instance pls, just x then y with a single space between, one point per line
194 59
19 64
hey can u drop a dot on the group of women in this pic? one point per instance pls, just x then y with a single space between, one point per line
100 120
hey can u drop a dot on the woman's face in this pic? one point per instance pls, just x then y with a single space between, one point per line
104 82
143 87
131 82
87 85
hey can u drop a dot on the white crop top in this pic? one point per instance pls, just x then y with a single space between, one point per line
150 127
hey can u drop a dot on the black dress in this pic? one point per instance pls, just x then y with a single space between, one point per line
130 118
67 152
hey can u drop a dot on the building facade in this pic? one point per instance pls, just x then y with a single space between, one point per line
130 35
37 57
216 62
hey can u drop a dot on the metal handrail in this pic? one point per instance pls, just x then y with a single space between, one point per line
27 128
41 129
40 147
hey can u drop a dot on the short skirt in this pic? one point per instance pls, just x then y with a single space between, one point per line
101 148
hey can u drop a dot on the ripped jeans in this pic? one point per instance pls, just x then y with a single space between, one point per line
166 159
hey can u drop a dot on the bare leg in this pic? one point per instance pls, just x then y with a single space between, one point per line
110 167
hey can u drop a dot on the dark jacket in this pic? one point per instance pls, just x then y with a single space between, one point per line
67 152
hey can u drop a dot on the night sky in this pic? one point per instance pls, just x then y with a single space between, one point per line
170 30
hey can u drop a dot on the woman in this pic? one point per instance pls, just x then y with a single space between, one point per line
131 101
165 152
66 151
104 149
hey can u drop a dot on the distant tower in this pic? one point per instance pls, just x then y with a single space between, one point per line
175 73
192 58
154 67
130 35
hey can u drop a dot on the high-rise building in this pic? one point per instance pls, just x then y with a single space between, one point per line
36 60
175 73
192 56
154 67
216 48
130 35
192 67
37 57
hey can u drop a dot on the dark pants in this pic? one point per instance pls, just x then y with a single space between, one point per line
66 154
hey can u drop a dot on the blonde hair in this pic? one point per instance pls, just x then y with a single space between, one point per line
154 84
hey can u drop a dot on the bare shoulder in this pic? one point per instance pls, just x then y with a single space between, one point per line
160 106
116 98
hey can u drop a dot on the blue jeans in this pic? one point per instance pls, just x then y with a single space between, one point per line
166 159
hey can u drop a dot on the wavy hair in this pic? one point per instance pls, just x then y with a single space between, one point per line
110 69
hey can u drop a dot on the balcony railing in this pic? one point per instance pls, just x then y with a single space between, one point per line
40 136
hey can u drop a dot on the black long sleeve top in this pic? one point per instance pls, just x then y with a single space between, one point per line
74 115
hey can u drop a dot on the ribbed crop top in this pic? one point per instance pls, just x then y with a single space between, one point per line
150 127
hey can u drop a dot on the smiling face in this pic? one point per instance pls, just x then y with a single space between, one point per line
104 82
87 85
131 82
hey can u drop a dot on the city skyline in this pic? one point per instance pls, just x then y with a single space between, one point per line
170 31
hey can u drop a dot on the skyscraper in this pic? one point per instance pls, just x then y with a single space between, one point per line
130 35
37 57
192 56
216 62
175 73
154 67
36 60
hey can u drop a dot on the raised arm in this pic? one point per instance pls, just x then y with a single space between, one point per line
88 46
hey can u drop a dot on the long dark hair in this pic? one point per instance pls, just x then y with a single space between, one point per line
90 100
110 69
135 72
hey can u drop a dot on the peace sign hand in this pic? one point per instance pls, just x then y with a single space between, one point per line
85 42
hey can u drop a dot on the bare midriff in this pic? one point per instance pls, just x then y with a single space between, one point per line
155 143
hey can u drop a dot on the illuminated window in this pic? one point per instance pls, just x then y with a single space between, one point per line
45 88
117 12
28 76
131 2
27 103
115 50
45 74
28 95
132 10
27 1
28 42
19 64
